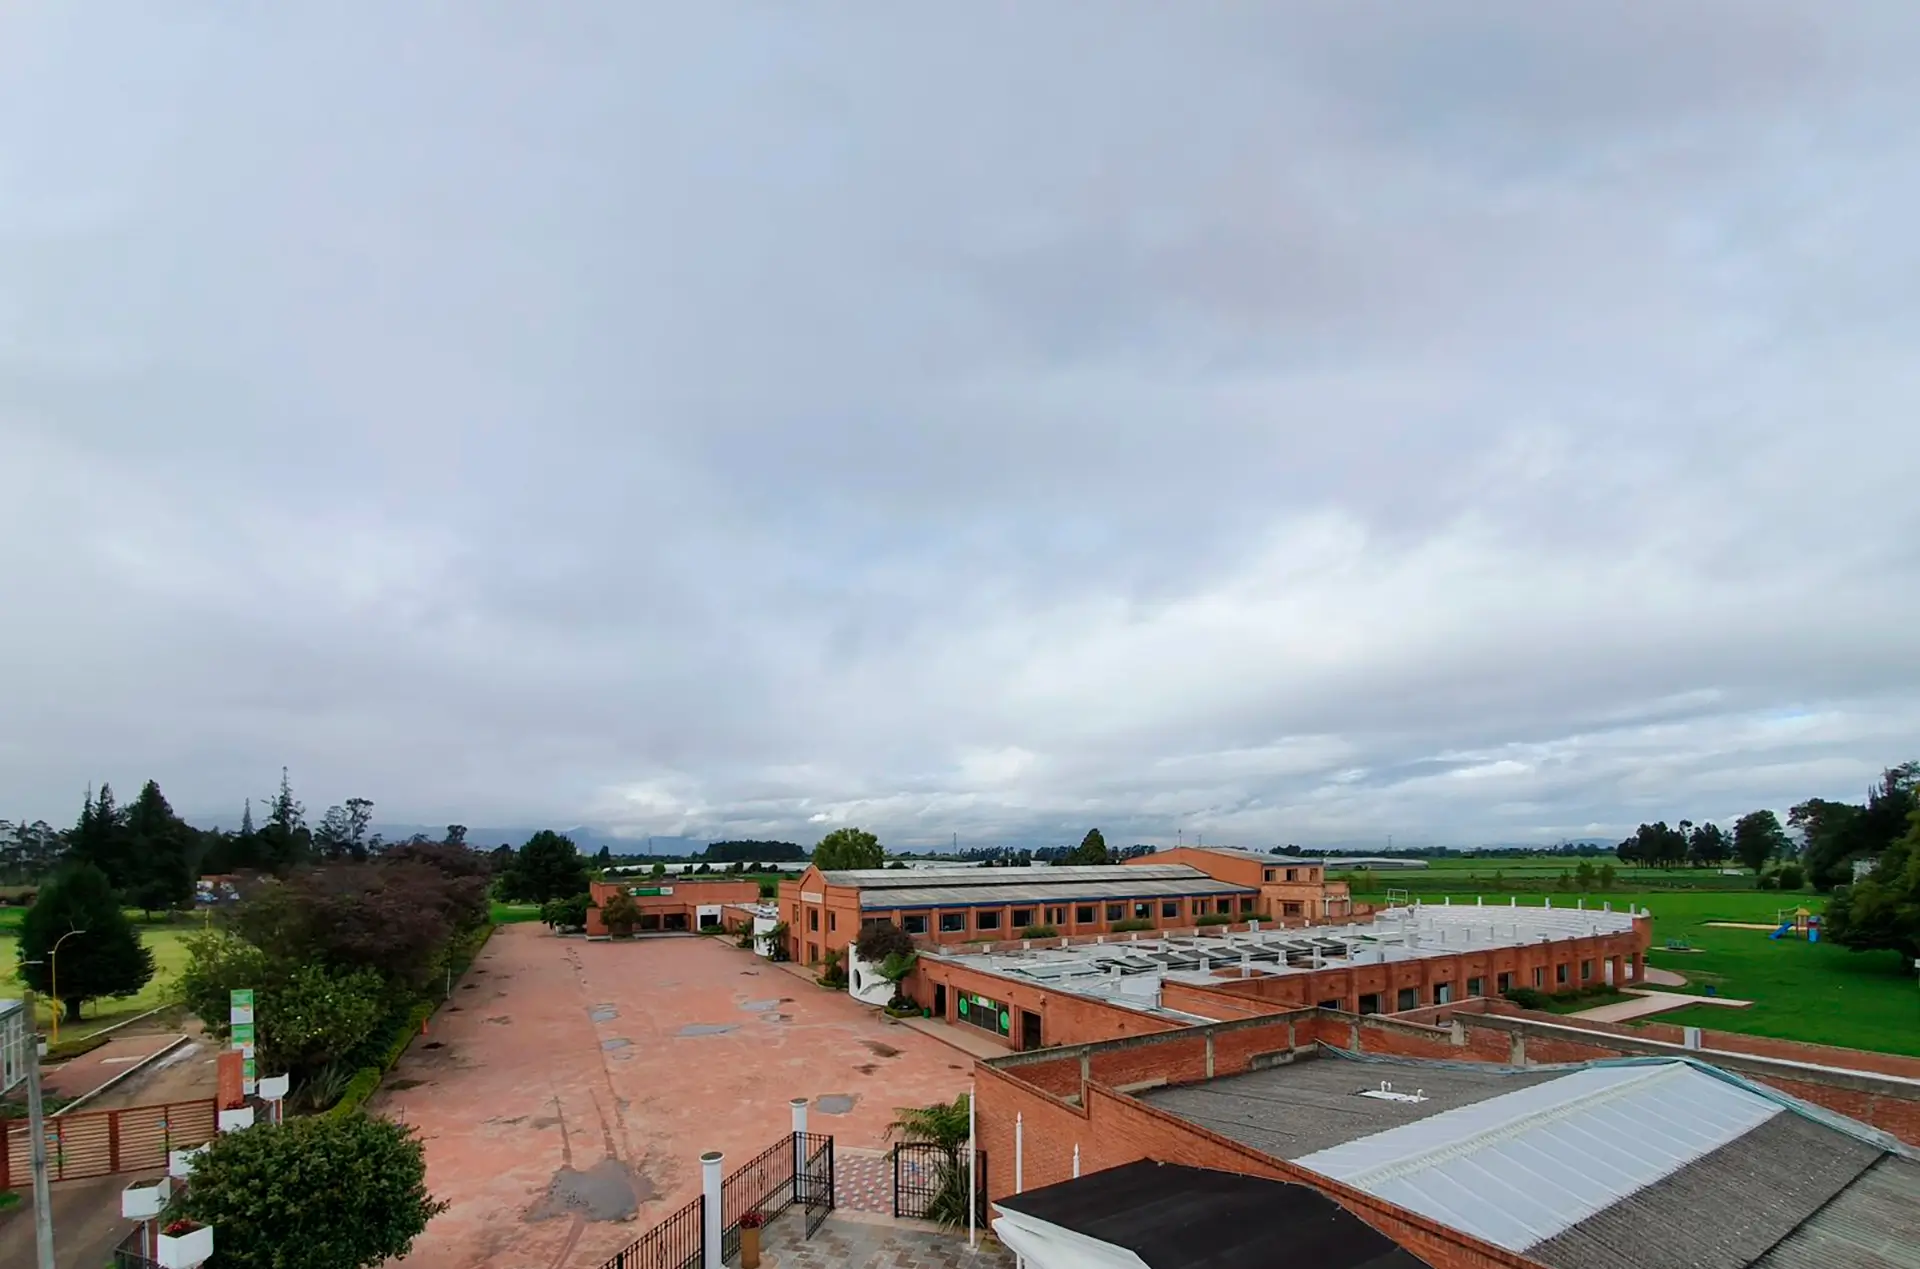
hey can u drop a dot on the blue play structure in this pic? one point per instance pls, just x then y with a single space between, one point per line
1795 922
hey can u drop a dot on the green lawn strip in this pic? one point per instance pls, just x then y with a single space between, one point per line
514 913
169 957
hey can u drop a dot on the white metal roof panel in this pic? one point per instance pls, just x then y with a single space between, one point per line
1520 1168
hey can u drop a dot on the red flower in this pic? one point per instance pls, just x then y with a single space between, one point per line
752 1220
180 1228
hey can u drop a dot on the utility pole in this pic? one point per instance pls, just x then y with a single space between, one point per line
37 1125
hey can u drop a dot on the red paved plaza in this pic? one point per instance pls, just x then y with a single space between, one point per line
566 1096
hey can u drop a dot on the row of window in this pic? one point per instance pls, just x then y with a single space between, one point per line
1293 874
988 919
1409 997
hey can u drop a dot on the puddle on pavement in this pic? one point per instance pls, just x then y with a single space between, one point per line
759 1006
500 1020
603 1013
607 1191
835 1103
618 1042
706 1028
880 1050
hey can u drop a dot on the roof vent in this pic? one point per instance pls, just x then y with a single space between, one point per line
1385 1093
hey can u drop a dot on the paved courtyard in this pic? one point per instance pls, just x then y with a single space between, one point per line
851 1244
567 1093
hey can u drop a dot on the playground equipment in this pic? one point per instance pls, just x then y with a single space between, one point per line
1797 922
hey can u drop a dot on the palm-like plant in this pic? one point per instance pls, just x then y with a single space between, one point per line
943 1125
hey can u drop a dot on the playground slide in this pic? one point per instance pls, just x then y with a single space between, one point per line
1786 928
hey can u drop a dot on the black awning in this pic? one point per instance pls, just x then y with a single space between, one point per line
1176 1217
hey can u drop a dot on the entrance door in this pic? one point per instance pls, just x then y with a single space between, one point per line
1029 1030
940 1001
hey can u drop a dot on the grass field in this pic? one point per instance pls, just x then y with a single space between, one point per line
1539 874
1817 992
513 913
169 956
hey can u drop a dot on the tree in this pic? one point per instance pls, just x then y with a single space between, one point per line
158 873
100 837
106 958
846 848
286 840
1091 850
620 913
945 1125
1757 838
880 940
456 835
604 859
1605 876
563 915
343 831
1882 909
1708 846
547 867
322 1192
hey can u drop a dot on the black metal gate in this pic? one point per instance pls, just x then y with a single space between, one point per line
930 1183
815 1181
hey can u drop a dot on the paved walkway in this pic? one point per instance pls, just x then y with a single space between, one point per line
862 1181
842 1243
1647 1003
89 1071
968 1041
1663 978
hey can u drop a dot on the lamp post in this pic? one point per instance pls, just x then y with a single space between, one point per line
53 969
37 1153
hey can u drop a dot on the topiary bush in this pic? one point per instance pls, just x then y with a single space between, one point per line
1039 932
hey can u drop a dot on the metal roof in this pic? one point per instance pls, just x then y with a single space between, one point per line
1870 1223
1051 890
896 878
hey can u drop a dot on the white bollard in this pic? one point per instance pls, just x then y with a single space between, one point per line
799 1108
1019 1154
1076 1159
710 1215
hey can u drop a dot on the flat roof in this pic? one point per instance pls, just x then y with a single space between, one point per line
1607 1165
974 875
1128 969
933 894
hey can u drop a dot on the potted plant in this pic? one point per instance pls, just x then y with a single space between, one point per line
184 1244
144 1200
750 1225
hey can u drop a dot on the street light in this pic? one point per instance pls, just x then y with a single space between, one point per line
53 968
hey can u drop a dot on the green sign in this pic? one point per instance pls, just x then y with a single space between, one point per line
241 996
643 891
243 1033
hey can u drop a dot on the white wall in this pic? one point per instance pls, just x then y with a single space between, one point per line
762 945
864 983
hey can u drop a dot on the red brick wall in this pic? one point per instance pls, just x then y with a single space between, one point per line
686 897
1213 1004
1064 1017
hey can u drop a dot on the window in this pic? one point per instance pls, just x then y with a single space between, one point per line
1539 977
1409 998
1504 983
1290 909
1330 1004
1246 905
1370 1003
1199 907
1443 993
1143 911
1475 987
953 922
833 920
1293 874
1056 917
813 953
914 923
1023 917
1313 875
1586 971
1224 907
1560 975
867 923
1116 911
987 919
1272 874
1170 908
813 918
1083 914
988 1015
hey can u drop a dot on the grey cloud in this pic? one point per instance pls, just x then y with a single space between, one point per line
1480 422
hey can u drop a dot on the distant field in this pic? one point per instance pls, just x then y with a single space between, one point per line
169 956
512 913
1536 874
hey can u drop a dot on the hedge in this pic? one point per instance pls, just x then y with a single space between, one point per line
383 1051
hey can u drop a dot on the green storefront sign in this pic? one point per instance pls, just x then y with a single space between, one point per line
988 1015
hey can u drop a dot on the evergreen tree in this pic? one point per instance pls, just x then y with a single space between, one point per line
285 842
101 954
547 867
100 836
1091 850
160 845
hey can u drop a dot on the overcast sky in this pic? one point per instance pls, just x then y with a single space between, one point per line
1295 422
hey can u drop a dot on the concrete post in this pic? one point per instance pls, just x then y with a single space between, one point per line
799 1108
710 1214
1019 1153
1076 1159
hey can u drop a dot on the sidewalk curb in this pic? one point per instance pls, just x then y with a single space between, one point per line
137 1067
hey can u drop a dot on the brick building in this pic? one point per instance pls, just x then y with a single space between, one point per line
1288 886
1049 992
824 911
1452 1142
676 904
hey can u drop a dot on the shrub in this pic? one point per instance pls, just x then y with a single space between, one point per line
1136 923
620 914
363 1085
881 940
834 975
1212 918
1039 932
1528 997
1790 877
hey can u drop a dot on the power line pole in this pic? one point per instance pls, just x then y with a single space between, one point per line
37 1125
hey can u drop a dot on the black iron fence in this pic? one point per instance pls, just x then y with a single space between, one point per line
136 1250
796 1169
930 1183
677 1242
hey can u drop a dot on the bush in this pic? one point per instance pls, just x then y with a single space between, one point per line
1212 918
365 1082
620 914
834 975
1528 997
881 940
1039 932
1790 877
1137 923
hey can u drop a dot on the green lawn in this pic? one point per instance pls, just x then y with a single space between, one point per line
1538 874
169 956
1817 992
512 913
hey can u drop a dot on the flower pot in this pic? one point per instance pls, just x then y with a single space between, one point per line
180 1162
750 1249
185 1251
144 1200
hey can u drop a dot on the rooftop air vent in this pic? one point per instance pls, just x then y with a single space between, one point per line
1385 1093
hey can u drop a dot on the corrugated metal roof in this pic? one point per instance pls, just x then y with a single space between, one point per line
1068 890
1873 1224
895 878
1518 1169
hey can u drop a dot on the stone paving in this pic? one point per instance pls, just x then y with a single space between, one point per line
842 1243
862 1182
